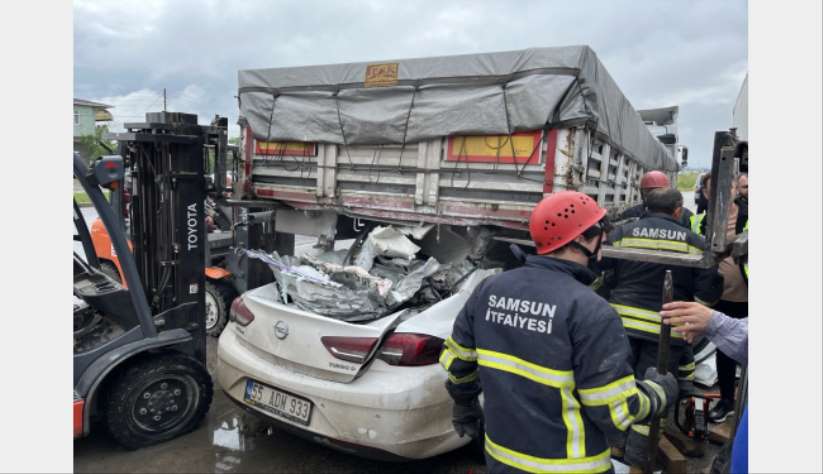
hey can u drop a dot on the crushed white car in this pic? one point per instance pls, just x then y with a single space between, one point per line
366 385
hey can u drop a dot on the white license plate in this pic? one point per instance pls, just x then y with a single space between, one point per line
277 402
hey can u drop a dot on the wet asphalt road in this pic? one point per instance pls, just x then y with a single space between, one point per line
231 441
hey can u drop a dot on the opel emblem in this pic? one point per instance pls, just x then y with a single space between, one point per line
281 330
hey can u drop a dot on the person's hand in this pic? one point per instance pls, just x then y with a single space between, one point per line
687 318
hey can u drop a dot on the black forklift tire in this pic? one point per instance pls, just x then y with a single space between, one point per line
110 269
222 296
157 399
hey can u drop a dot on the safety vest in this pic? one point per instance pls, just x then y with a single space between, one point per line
695 221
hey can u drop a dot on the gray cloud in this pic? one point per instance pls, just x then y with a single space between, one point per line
659 52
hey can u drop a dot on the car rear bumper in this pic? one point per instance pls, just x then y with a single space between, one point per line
401 411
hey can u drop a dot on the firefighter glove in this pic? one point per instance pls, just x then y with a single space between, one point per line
661 389
467 419
637 446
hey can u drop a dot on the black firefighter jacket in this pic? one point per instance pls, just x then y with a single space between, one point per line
635 289
552 360
639 211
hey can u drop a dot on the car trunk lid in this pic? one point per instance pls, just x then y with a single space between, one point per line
294 339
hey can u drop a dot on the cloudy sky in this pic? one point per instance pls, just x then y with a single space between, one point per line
690 53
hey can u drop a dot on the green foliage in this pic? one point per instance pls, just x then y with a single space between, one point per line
83 199
92 143
686 180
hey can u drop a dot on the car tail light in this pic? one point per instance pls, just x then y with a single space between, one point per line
240 313
79 406
411 349
351 349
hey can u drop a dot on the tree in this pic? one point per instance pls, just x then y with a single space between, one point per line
92 145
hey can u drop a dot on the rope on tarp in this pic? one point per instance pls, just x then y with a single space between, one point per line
406 129
518 171
340 122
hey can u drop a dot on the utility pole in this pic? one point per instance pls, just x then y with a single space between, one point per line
164 99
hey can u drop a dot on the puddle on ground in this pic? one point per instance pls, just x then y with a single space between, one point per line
232 436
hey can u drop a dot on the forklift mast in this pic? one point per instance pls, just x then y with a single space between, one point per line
167 156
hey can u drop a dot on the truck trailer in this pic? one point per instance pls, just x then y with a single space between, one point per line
465 140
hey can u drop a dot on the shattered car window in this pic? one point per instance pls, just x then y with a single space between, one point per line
392 268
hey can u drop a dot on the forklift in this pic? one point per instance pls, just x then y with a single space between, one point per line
230 227
140 344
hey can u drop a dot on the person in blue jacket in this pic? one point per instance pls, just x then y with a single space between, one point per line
731 336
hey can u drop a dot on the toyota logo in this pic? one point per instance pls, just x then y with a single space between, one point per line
281 330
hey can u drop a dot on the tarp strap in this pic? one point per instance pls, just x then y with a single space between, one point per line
518 171
274 96
340 122
406 130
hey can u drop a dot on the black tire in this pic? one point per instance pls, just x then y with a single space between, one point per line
157 399
218 299
110 270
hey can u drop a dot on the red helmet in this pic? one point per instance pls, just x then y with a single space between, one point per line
654 179
560 218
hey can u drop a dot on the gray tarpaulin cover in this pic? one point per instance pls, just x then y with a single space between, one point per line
492 93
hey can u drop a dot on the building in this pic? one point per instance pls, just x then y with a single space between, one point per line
662 123
86 116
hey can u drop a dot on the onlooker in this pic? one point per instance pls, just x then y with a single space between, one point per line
691 319
731 336
742 198
734 301
701 194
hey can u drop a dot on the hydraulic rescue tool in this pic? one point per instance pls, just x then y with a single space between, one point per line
663 351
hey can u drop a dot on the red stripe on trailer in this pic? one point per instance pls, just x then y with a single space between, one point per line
263 191
249 156
548 178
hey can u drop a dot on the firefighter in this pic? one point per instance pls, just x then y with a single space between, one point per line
550 355
635 290
653 180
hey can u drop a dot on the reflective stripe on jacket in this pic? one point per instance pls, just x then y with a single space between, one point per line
552 360
635 288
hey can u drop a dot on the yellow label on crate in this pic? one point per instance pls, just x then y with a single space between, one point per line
495 148
381 75
286 148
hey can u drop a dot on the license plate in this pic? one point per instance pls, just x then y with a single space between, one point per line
277 402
